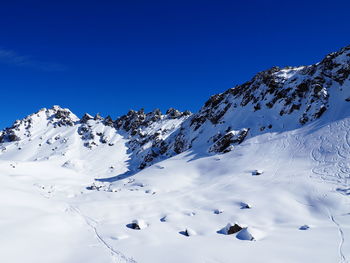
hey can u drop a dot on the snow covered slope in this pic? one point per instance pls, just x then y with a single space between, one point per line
260 174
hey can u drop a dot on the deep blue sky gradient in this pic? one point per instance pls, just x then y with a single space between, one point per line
111 56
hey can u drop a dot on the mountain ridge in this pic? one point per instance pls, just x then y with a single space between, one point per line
273 100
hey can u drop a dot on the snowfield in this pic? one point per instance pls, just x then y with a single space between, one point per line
251 177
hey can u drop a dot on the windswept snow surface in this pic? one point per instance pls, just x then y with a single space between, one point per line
49 215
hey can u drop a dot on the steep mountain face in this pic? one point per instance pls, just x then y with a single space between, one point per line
274 100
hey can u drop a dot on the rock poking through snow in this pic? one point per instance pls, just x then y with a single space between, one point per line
257 172
304 227
137 224
230 229
188 232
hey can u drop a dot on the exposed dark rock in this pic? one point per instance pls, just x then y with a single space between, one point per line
257 172
60 117
134 226
86 118
98 117
108 121
137 225
257 107
320 112
179 145
188 232
234 229
173 113
224 144
304 227
304 119
230 229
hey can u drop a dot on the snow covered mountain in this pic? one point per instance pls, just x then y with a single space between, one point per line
267 161
274 100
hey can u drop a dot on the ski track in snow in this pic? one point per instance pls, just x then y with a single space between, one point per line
117 256
332 159
341 243
332 166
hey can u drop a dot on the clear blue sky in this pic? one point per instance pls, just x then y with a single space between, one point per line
111 56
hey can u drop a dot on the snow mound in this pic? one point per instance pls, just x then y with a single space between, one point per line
250 234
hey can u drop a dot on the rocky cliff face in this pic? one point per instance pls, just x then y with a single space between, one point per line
272 101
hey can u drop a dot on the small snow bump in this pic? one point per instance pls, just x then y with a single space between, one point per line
218 211
190 213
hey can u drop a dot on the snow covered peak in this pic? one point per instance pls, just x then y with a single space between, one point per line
55 117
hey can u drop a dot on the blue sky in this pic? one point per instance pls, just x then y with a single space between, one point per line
111 56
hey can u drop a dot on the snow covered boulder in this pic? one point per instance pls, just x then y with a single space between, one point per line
304 227
257 172
188 232
249 234
245 234
245 205
164 219
218 211
137 224
230 229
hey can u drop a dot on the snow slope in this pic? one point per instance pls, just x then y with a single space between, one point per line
167 187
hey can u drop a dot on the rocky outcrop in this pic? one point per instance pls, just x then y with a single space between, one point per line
150 133
61 117
299 90
86 117
225 143
8 136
